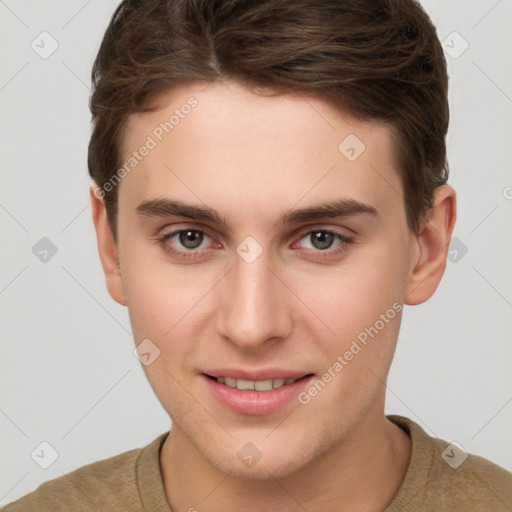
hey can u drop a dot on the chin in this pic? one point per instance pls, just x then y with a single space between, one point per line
263 470
277 459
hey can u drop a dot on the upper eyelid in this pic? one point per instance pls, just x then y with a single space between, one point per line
334 231
343 238
299 231
173 233
163 232
299 234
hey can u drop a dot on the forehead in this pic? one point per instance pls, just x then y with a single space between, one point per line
229 147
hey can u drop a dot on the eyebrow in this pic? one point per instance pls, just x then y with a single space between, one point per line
338 208
333 209
168 207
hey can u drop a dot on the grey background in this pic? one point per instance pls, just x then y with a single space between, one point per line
68 373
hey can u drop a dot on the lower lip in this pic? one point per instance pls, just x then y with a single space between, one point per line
255 403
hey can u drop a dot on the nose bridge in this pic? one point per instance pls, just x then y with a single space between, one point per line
253 308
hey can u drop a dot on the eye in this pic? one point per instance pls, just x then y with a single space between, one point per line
190 238
185 241
323 239
320 239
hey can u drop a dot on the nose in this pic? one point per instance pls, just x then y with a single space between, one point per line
254 307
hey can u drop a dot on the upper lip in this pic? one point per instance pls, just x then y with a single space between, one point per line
255 375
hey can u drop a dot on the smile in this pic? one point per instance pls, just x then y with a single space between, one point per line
254 385
255 397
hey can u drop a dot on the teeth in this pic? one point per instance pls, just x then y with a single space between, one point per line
258 385
277 383
245 384
230 382
263 385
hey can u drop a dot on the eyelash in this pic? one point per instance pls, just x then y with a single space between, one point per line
345 241
182 254
190 254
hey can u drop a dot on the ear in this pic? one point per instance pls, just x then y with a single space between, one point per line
107 247
432 242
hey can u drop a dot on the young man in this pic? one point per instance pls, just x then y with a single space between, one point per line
269 191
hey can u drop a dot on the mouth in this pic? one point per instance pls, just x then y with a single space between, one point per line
268 394
256 385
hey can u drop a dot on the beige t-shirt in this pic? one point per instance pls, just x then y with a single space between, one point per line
132 482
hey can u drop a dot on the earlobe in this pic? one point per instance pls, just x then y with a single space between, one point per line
107 247
433 241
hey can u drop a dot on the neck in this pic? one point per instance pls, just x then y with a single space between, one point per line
363 472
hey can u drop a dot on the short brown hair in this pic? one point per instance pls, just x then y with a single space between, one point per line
373 59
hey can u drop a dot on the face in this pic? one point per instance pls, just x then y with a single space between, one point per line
261 247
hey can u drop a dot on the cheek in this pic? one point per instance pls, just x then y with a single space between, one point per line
166 304
154 289
149 304
352 296
161 309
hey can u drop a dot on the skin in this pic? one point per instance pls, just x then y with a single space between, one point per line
252 157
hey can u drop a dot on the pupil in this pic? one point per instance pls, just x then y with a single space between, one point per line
322 240
191 239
